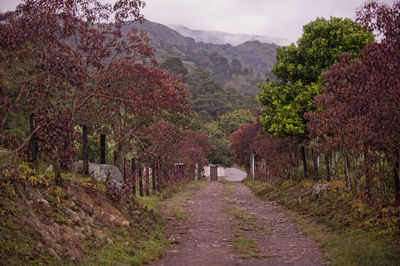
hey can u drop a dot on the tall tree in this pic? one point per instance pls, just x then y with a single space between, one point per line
158 147
230 122
193 149
299 68
138 93
62 48
359 107
175 66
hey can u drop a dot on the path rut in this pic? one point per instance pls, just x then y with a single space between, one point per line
209 234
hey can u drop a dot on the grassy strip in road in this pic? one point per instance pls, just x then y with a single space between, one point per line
348 231
175 205
247 248
229 187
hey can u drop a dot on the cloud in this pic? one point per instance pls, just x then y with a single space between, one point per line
280 18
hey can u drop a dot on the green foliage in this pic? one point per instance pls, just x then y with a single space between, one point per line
219 132
207 95
185 121
16 245
248 248
136 245
319 48
175 66
230 122
299 69
221 154
286 104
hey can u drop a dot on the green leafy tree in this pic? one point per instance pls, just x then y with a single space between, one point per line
236 66
299 69
231 121
221 153
208 95
175 66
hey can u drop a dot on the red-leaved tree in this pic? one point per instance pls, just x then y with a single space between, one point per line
193 149
360 111
157 148
274 155
136 94
75 67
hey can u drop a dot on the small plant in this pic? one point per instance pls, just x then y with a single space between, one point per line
118 194
248 248
229 187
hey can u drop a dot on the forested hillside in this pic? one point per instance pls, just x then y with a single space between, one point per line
240 67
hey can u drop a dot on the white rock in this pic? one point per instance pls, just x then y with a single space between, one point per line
318 189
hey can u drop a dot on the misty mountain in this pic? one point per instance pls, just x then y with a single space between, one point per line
218 37
241 66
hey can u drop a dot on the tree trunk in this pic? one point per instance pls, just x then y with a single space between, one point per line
102 149
147 181
328 173
196 172
346 170
133 176
57 174
153 175
333 163
296 162
252 165
396 181
140 181
32 143
368 177
314 157
85 151
303 154
119 160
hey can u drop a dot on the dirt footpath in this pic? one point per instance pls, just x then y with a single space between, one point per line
228 225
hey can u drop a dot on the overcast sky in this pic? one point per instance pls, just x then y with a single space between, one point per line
276 18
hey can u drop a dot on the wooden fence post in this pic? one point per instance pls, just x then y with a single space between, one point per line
303 155
252 164
140 180
196 175
102 148
133 169
147 181
328 172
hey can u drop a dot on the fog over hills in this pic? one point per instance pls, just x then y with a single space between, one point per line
218 37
